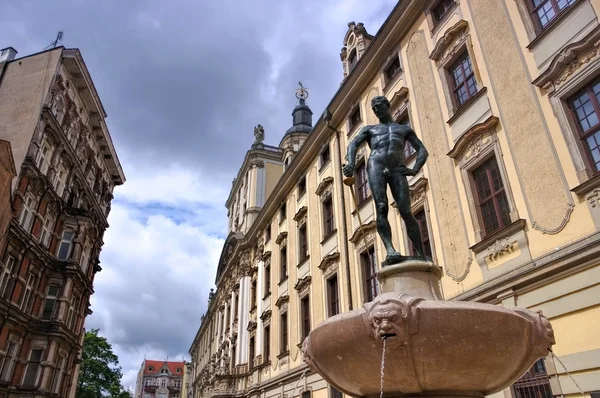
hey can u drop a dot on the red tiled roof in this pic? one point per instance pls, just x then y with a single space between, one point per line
157 366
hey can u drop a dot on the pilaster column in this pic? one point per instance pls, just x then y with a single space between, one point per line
259 307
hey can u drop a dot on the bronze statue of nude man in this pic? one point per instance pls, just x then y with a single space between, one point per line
386 166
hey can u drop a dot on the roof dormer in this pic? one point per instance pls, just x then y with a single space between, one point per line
356 41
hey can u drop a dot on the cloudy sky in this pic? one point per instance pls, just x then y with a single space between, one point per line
183 82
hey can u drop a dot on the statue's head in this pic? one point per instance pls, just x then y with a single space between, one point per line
381 106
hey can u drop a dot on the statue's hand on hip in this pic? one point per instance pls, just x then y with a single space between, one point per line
407 171
348 170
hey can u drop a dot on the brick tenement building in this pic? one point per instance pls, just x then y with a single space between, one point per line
160 379
67 169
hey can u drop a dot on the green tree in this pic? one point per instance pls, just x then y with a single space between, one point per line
100 373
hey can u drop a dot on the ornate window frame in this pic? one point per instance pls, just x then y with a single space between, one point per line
391 58
448 48
353 128
301 218
434 25
476 146
571 69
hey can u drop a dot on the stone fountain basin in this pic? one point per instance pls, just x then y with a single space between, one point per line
435 348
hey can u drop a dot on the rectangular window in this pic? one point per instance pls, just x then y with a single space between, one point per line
43 157
328 220
335 393
306 394
283 262
355 118
32 371
267 343
302 243
362 183
333 296
64 248
6 278
58 374
27 214
544 11
7 364
60 179
251 359
268 233
585 106
302 187
28 293
85 257
463 79
282 212
324 155
46 231
50 302
491 196
284 333
267 279
422 220
72 313
392 70
305 316
441 9
367 260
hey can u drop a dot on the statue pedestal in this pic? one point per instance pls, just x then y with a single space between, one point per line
416 278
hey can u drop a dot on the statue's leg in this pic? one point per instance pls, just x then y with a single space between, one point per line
401 194
378 185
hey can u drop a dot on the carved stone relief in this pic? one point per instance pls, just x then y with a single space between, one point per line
329 264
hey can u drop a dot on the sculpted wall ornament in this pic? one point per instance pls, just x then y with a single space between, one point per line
281 239
447 45
418 192
301 215
498 249
329 264
593 197
265 316
568 61
282 303
303 285
327 181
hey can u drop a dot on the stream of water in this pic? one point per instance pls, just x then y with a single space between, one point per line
568 373
382 369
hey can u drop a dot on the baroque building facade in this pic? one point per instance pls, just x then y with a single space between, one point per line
161 379
66 170
505 96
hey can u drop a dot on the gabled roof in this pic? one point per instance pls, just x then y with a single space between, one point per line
153 368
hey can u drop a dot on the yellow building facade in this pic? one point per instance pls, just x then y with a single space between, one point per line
505 95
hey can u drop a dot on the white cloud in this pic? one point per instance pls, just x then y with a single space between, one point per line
153 287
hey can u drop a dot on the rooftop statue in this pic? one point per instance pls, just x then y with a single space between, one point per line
386 166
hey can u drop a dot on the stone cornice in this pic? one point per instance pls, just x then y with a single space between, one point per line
265 315
328 259
463 142
282 300
300 213
281 237
398 99
302 283
567 57
323 185
358 232
444 42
